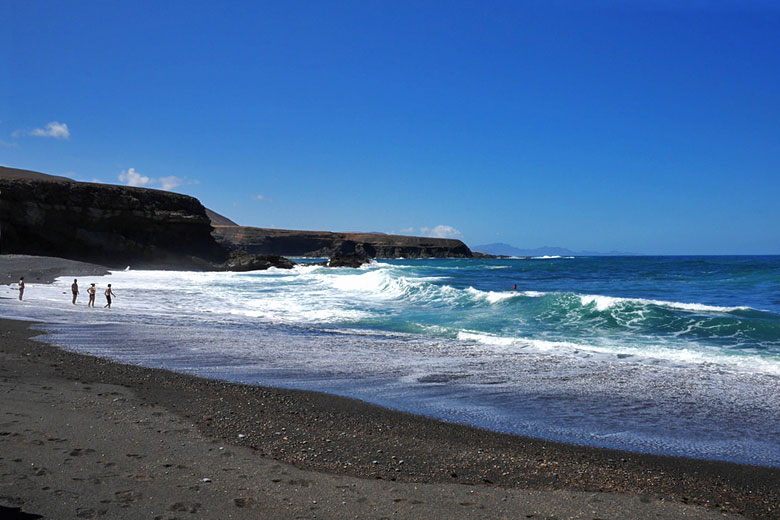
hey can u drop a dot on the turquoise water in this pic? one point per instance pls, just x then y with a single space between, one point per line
670 355
714 305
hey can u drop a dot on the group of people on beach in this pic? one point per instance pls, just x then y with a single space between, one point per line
91 291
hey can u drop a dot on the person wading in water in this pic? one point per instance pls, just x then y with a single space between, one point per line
91 291
21 287
75 289
109 294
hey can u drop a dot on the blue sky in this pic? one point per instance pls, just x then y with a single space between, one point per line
639 127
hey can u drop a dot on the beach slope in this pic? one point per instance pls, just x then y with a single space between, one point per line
82 437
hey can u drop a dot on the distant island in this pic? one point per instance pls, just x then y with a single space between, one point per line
502 249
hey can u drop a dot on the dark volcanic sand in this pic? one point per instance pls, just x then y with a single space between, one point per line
83 437
44 269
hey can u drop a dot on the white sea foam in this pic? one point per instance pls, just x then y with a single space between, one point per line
500 296
485 339
319 295
626 352
490 296
606 302
383 284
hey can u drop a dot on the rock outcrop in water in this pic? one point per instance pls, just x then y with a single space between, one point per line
327 244
351 254
111 225
241 261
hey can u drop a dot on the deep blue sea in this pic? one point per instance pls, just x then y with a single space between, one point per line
669 355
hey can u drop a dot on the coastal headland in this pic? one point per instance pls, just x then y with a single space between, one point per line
324 243
84 437
118 226
111 225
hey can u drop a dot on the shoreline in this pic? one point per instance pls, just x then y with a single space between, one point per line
45 269
326 436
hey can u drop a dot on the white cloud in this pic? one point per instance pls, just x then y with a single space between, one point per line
133 178
258 197
407 231
441 231
53 129
170 182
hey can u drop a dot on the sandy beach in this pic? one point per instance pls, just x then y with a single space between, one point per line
85 437
390 260
82 437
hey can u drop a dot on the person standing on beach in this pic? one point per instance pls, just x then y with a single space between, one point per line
91 291
109 294
75 289
21 288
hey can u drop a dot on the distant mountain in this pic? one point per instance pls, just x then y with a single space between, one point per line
499 248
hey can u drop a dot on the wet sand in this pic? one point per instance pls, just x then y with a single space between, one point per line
83 437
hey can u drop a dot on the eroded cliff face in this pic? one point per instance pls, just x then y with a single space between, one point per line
111 225
120 225
326 244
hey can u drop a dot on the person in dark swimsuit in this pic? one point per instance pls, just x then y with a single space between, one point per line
91 291
21 287
109 294
75 289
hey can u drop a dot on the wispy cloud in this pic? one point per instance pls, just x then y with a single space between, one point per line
54 129
8 144
258 197
441 231
134 178
170 182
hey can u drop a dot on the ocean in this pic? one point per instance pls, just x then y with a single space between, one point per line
665 355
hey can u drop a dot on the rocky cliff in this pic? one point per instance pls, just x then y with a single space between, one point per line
219 220
326 244
110 225
120 225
